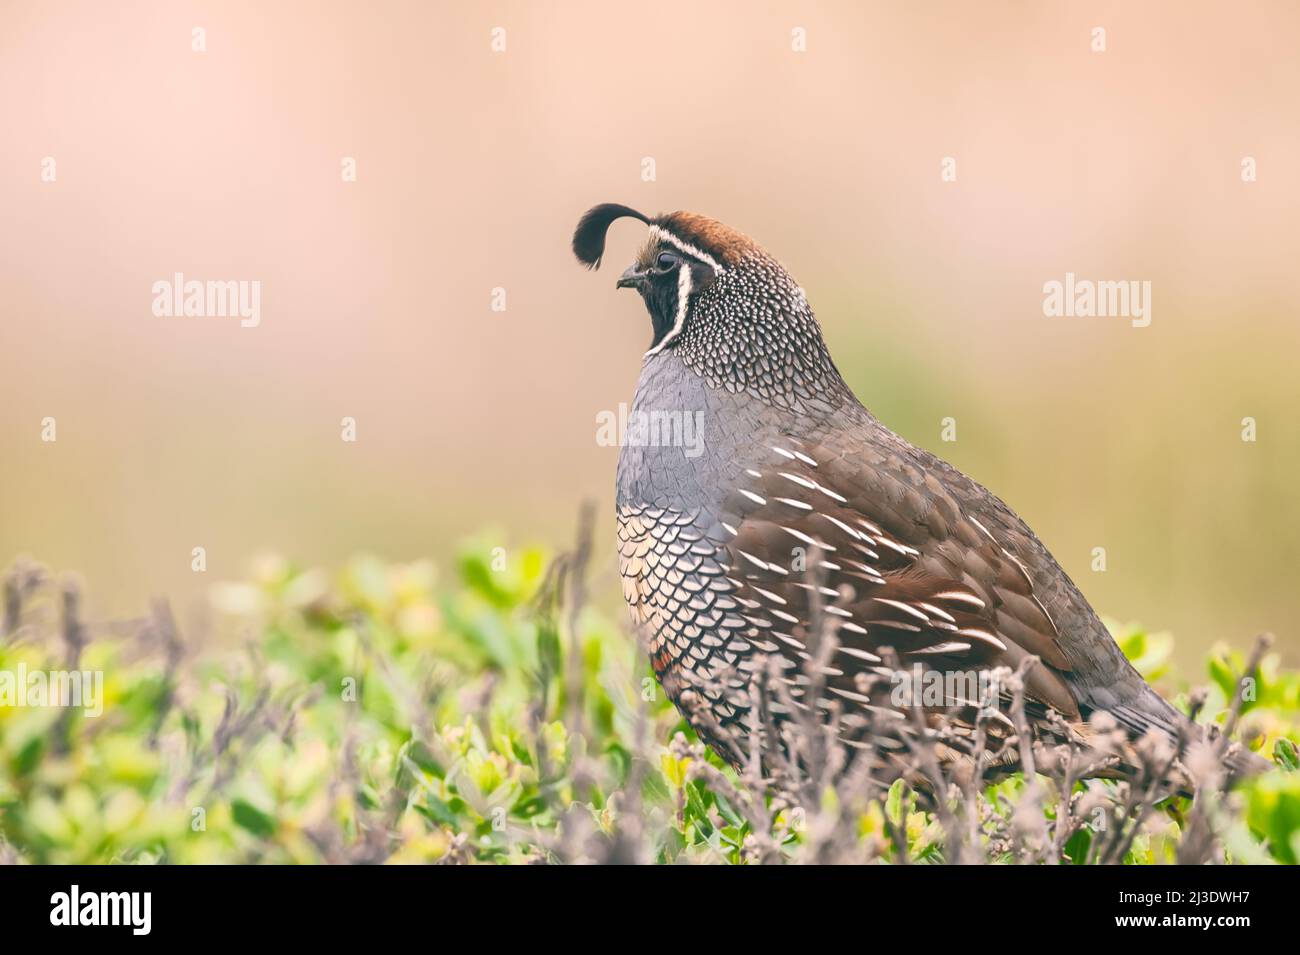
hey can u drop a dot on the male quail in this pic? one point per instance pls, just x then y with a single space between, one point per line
791 464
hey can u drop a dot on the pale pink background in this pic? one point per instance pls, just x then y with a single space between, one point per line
473 168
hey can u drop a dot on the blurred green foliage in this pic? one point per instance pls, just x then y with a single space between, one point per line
383 715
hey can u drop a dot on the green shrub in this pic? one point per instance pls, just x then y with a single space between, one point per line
381 715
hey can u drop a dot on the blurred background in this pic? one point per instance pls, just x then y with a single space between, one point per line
472 167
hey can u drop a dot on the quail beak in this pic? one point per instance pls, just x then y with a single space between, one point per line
632 278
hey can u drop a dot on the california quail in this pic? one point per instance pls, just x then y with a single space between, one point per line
792 467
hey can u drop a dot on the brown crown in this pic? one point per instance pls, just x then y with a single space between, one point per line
709 235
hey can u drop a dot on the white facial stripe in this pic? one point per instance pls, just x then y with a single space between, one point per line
683 295
662 233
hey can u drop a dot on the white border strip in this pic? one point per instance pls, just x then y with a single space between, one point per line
710 261
683 296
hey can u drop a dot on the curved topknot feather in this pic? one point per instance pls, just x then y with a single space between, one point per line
589 237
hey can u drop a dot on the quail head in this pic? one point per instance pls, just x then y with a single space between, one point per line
799 514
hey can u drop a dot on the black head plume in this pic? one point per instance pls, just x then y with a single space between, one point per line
589 237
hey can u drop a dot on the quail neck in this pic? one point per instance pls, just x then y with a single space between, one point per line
752 330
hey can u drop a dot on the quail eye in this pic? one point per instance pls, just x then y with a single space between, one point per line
666 261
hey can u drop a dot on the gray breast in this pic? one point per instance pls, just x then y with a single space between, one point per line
685 441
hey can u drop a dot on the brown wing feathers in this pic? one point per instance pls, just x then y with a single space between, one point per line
967 607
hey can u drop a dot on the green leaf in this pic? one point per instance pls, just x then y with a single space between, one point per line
420 755
29 757
1222 674
1285 755
894 803
436 810
1076 848
1273 809
250 818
